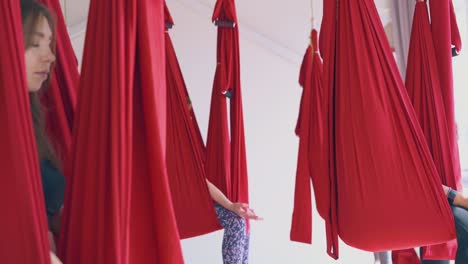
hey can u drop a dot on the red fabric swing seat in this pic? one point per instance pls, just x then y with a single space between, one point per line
385 192
193 206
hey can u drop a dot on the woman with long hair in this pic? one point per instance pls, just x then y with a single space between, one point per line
39 49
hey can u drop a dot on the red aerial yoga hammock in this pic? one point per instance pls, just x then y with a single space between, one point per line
119 209
424 89
193 207
379 160
226 165
23 223
59 98
311 158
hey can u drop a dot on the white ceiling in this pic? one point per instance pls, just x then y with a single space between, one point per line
286 24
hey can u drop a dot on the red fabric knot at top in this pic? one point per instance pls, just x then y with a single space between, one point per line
314 40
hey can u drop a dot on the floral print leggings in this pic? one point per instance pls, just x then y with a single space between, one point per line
236 239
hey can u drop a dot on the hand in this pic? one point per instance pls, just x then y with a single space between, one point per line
243 210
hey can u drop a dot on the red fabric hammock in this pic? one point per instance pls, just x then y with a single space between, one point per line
311 158
193 206
422 82
119 209
226 165
60 98
23 224
379 159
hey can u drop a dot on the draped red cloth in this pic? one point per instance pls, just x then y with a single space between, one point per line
405 256
119 209
23 224
59 98
422 82
379 158
445 32
193 206
311 158
226 165
454 31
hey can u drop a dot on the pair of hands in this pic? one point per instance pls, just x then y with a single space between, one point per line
243 210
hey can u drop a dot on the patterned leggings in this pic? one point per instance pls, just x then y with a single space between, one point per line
235 240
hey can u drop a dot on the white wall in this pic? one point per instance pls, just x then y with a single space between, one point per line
271 100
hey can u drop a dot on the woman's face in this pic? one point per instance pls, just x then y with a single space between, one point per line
39 56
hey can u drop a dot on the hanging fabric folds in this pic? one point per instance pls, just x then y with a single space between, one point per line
445 32
424 90
193 206
59 98
311 158
23 224
119 208
378 157
226 165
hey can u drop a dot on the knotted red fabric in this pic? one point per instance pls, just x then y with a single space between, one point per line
422 82
311 158
118 207
193 206
226 165
23 223
379 159
59 98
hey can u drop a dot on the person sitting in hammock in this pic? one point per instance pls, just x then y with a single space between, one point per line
39 44
232 218
235 249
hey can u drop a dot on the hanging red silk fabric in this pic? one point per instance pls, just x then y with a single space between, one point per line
379 160
118 208
445 32
311 158
23 223
454 31
193 206
226 165
425 92
59 98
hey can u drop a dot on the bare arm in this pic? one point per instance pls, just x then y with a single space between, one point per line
240 209
459 200
219 196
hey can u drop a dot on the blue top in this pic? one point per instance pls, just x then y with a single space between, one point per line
53 184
